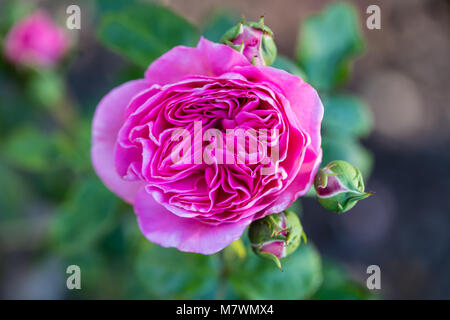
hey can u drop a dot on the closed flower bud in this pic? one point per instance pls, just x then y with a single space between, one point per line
339 186
276 236
254 40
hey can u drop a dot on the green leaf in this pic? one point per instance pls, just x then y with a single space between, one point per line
86 216
346 115
327 42
41 155
337 285
30 149
336 148
116 5
261 279
15 107
170 274
143 32
218 24
284 63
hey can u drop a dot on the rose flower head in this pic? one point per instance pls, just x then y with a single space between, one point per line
36 41
206 143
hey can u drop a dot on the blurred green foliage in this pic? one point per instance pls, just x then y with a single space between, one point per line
143 32
258 279
217 24
171 274
337 285
11 204
282 62
346 115
87 215
44 160
29 148
327 44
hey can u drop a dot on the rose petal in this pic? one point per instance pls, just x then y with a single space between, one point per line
303 98
207 59
187 234
299 186
305 178
107 121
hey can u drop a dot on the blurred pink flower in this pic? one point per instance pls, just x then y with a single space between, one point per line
36 41
201 207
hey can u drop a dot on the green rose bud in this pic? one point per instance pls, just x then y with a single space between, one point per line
254 40
276 236
339 186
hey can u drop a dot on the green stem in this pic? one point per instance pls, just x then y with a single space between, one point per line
221 291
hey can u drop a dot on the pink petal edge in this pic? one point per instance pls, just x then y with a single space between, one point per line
207 59
108 119
186 234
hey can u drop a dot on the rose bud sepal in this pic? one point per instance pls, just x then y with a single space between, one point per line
339 186
254 40
276 236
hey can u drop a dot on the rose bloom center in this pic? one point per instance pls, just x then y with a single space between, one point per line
207 147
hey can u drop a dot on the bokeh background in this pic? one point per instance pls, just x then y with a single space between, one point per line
403 76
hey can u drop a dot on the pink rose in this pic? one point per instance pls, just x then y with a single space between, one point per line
202 206
36 41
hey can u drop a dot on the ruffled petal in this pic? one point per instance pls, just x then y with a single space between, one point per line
303 98
207 59
107 121
186 234
299 186
305 178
